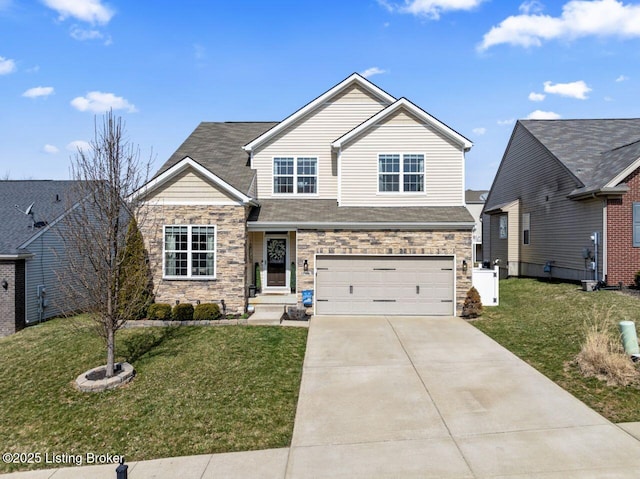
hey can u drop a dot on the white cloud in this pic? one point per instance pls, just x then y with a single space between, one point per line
81 145
7 66
430 8
50 149
99 102
533 96
507 122
576 89
81 34
531 6
38 91
579 18
621 78
90 11
543 115
479 131
369 72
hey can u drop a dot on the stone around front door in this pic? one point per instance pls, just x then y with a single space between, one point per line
276 254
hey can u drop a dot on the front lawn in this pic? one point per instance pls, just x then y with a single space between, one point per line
543 323
198 390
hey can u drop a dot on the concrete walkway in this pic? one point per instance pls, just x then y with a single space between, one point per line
386 397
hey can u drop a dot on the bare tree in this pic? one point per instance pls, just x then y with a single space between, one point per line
100 279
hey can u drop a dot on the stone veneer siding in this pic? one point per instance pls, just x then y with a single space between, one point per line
231 241
12 299
385 242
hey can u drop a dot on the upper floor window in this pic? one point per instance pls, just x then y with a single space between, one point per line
295 175
190 251
401 173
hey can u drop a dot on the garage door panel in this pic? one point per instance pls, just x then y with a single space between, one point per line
389 285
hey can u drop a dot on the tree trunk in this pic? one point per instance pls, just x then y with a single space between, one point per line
111 346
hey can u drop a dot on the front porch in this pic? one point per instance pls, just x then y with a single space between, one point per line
272 262
272 275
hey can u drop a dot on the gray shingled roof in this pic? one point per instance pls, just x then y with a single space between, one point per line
50 198
300 211
595 151
475 196
218 147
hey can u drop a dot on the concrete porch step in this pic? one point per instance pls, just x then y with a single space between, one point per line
274 299
267 313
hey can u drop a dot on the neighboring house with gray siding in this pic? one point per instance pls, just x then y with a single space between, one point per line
474 199
31 250
567 196
357 196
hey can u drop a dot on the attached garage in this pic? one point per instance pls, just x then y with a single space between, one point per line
389 285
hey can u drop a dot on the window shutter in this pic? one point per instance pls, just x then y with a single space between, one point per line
636 224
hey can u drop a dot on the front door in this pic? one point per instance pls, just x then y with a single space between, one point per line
276 262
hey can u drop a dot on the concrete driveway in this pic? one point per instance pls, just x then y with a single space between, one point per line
419 397
434 397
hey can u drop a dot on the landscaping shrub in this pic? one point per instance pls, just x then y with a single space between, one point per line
472 307
136 284
206 312
182 312
636 280
160 311
602 355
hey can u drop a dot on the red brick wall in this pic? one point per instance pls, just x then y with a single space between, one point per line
12 307
623 259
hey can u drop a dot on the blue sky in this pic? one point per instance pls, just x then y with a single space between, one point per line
477 65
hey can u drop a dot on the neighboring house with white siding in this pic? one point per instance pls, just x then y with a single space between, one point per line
358 197
565 201
31 250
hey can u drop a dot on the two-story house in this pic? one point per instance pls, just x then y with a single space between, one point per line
357 196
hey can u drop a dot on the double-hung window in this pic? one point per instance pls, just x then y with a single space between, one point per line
283 177
295 175
401 173
189 251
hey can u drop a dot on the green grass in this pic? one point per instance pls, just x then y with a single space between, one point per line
543 323
198 390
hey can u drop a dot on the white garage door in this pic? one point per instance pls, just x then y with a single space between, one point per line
390 285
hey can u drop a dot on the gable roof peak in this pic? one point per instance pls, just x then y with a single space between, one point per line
413 109
318 101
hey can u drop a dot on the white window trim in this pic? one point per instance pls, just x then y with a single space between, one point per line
295 175
401 174
189 276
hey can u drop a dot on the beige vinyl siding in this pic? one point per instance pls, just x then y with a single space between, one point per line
403 134
188 186
312 135
560 227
